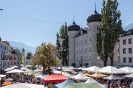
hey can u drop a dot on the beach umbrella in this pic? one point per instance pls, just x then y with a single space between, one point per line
93 68
110 70
97 75
15 71
67 75
127 69
1 75
87 74
9 79
129 76
80 76
24 85
113 77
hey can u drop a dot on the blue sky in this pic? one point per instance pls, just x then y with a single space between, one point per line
33 29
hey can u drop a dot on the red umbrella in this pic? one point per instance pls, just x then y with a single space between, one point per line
55 78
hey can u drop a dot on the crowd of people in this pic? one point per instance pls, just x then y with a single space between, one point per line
25 78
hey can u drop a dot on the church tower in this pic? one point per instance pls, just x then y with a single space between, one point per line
72 32
94 22
23 57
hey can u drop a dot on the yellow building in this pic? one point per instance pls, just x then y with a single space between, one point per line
23 56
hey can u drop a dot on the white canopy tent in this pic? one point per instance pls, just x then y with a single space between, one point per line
113 77
23 68
129 76
15 71
24 85
1 75
80 76
91 80
37 70
8 69
110 70
93 68
56 71
40 76
127 69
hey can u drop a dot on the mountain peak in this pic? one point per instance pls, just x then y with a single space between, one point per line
130 26
20 46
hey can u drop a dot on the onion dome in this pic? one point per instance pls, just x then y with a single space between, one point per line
74 27
94 17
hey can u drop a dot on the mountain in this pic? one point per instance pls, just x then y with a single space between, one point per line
20 46
130 26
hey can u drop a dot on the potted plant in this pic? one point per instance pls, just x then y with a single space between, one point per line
73 64
86 64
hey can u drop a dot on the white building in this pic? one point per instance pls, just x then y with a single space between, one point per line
126 51
82 43
16 56
3 54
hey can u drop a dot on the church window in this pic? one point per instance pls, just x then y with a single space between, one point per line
90 28
77 58
85 57
85 50
81 49
90 57
90 38
90 49
85 41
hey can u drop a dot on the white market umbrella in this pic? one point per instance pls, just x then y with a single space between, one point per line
9 79
1 75
58 67
129 76
15 71
23 68
110 70
64 84
127 69
24 85
91 80
56 71
8 69
37 70
80 76
40 76
113 77
93 68
27 71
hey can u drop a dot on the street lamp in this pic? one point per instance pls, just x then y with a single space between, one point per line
61 41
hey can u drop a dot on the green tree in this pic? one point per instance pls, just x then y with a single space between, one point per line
28 56
115 28
102 46
64 35
58 45
108 35
45 56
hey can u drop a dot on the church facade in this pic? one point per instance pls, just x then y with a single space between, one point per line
82 43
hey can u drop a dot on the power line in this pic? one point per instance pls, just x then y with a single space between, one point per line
37 20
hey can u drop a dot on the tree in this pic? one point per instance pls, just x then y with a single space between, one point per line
102 45
109 32
63 34
45 56
115 28
28 56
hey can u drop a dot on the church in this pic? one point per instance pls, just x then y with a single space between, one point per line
82 43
